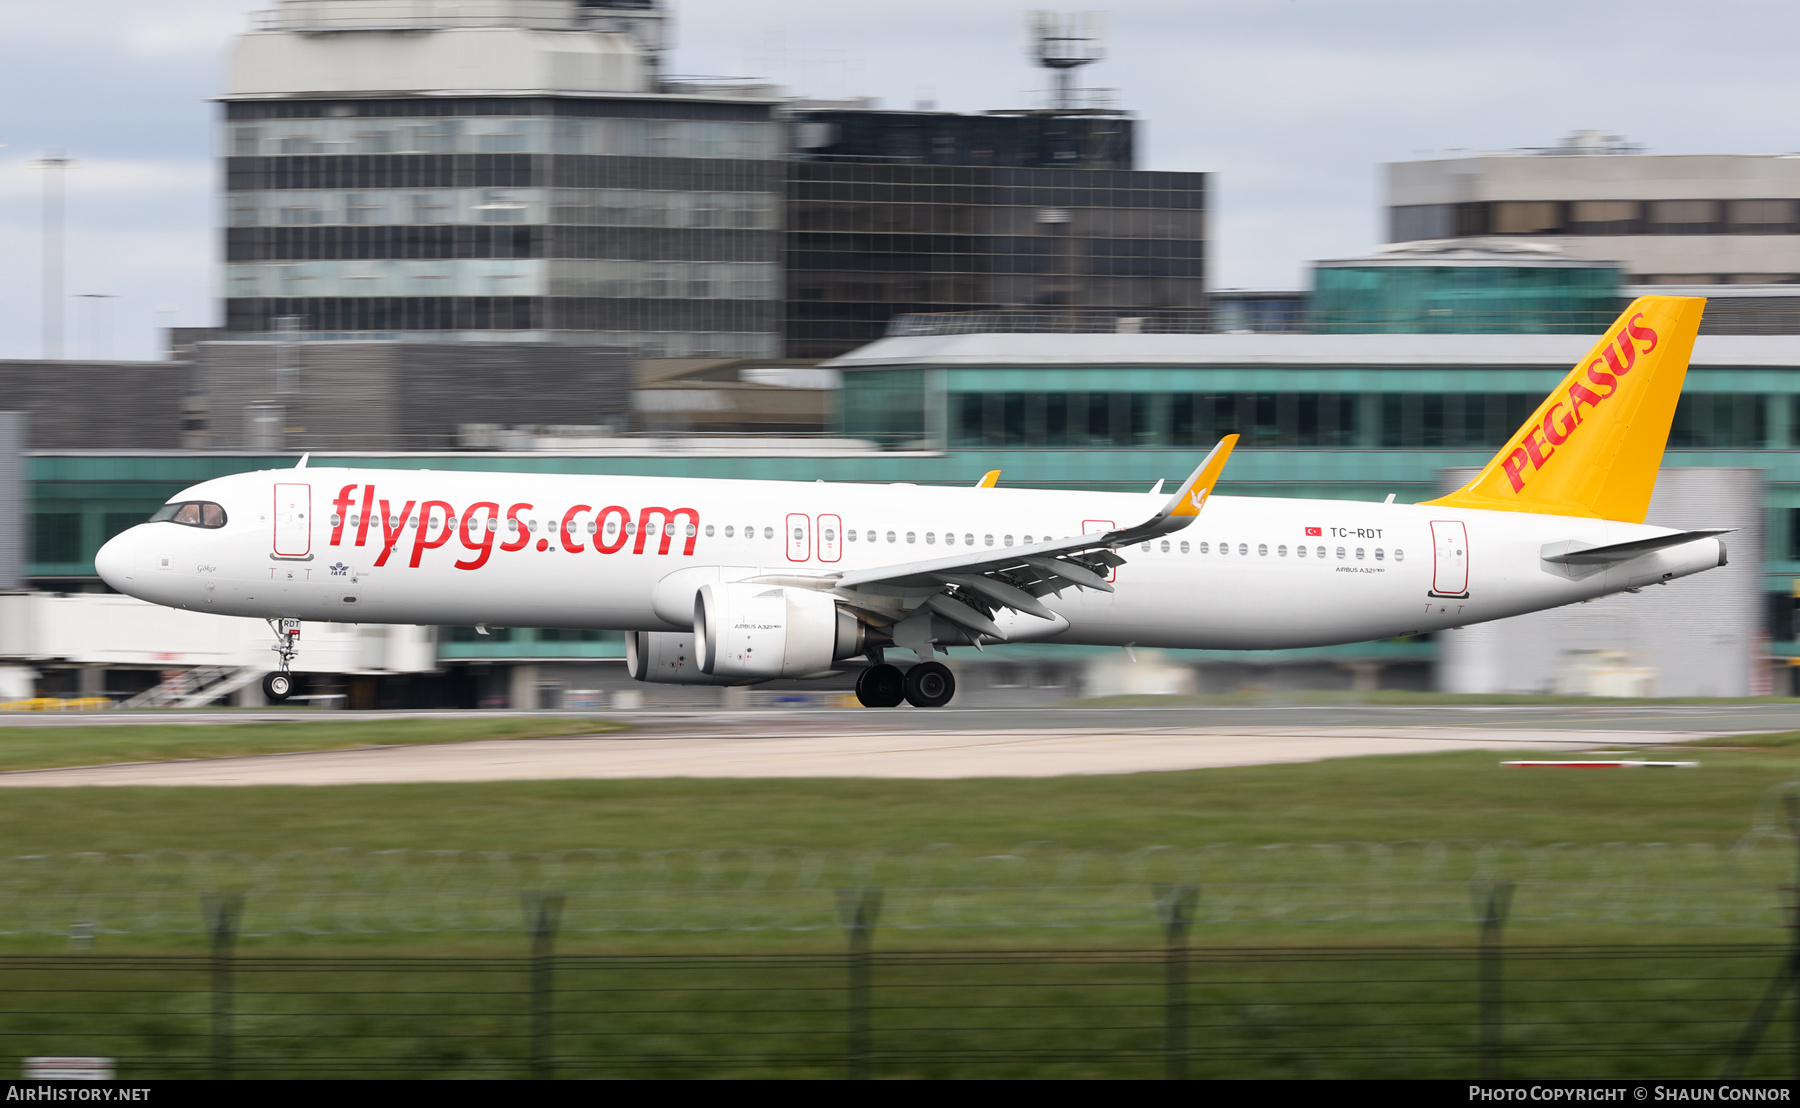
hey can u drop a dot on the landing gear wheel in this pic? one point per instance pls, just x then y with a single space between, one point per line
929 685
881 686
277 686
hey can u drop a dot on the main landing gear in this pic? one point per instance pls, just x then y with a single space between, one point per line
279 685
927 685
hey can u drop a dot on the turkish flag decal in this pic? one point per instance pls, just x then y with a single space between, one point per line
1315 532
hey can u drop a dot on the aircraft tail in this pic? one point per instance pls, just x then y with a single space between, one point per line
1594 445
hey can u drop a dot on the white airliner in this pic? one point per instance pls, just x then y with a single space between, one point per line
722 582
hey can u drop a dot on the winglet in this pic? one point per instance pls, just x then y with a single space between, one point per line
1191 496
1185 505
988 479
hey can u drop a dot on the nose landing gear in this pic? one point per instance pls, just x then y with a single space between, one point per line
279 685
929 685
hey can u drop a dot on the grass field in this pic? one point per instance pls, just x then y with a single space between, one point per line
724 1001
54 747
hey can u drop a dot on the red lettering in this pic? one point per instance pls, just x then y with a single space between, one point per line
1580 394
1605 380
1643 334
521 533
341 512
568 534
1536 449
1554 430
420 543
668 530
1514 465
391 529
1630 352
603 545
362 526
486 545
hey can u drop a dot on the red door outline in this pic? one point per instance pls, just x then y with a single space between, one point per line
798 549
1449 558
1091 526
293 528
831 538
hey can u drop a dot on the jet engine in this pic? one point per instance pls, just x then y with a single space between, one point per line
667 658
760 632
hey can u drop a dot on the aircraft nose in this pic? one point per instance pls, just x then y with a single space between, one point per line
115 561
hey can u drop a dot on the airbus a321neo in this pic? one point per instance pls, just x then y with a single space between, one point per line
724 582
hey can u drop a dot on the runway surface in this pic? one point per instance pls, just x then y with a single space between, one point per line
968 743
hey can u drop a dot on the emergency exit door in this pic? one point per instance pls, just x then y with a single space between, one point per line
799 537
1450 558
293 522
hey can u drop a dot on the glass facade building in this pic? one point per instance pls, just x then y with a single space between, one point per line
867 241
1469 296
651 222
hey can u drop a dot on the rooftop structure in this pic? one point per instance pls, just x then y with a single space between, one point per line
1665 219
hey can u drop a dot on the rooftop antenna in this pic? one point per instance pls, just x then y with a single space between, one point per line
1063 42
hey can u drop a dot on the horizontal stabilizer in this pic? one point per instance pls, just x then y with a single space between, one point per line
1625 551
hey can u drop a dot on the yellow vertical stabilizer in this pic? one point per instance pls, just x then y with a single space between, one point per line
1594 445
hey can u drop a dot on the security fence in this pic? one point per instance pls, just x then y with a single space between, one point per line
924 963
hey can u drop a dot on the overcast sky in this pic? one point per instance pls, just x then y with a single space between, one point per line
1292 104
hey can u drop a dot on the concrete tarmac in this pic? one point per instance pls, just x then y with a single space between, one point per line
867 744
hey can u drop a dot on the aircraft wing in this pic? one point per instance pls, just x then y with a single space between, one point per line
966 589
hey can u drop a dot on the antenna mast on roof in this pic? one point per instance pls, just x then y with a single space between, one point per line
1062 43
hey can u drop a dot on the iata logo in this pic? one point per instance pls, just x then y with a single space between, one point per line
436 522
1557 424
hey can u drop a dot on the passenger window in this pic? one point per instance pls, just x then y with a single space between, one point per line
708 529
1281 551
1340 553
968 540
1145 548
871 537
1206 548
768 532
930 538
1378 554
1300 550
1243 549
949 539
1359 553
1184 548
1262 550
989 539
730 531
851 535
890 536
1399 555
1006 540
1322 552
909 536
1165 546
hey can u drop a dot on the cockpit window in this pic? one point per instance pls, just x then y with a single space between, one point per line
192 513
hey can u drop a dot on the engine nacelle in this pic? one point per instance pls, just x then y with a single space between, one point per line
667 658
760 632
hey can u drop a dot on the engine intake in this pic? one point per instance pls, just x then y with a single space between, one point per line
760 632
667 658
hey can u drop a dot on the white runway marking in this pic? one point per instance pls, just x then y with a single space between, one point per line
899 754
